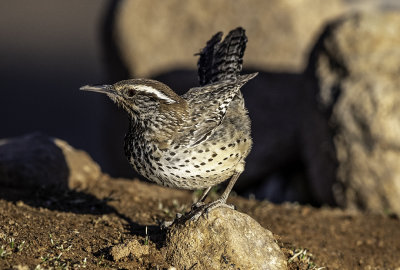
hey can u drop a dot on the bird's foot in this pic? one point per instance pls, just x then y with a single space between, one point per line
197 205
205 209
198 210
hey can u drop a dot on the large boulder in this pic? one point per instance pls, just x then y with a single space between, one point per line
354 73
156 36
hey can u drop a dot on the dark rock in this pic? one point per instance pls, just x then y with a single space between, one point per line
31 161
36 160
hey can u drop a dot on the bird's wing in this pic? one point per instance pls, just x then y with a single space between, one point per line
221 61
207 107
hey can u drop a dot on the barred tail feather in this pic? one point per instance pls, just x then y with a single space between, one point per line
222 60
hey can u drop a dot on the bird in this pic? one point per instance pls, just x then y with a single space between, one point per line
196 140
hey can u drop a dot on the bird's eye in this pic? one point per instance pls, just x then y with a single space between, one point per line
130 93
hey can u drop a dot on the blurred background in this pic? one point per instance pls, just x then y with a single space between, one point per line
50 48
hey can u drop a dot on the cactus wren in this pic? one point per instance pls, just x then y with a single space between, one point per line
193 141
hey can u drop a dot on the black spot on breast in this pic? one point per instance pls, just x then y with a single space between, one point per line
196 166
193 157
176 146
186 151
187 160
231 145
210 159
172 153
223 148
202 164
200 151
214 155
168 159
187 171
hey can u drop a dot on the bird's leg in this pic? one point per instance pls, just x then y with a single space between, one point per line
200 202
221 202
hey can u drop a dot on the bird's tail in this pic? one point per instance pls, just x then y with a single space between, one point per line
222 60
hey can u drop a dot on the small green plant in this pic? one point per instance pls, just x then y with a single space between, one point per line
302 255
54 257
146 239
12 242
53 261
100 261
21 246
84 263
51 239
3 252
9 246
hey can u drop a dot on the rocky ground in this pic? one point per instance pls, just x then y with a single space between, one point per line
78 229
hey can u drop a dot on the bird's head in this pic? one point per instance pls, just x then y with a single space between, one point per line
141 98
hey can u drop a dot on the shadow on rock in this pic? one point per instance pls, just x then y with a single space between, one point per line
44 172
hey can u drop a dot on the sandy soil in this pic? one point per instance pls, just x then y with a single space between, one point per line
78 229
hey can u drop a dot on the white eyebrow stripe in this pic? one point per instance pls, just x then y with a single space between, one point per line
149 89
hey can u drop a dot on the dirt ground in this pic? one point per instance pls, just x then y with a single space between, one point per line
45 229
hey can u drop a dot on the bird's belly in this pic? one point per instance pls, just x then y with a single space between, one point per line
197 167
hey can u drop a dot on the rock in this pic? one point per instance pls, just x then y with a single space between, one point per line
279 31
83 170
226 239
36 160
354 73
32 161
132 247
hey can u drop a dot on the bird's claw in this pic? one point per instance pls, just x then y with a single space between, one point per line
199 209
205 209
197 205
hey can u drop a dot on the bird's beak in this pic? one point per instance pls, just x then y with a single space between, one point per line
104 89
